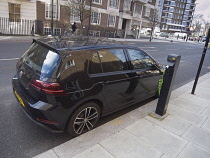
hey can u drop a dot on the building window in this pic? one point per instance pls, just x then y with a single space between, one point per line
57 31
173 3
47 31
147 12
75 17
14 12
48 11
138 8
97 1
111 21
113 3
127 5
171 15
96 18
171 9
94 33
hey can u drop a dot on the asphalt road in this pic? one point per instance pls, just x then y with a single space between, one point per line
20 137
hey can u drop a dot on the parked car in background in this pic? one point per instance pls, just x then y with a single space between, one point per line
67 84
204 39
164 34
180 34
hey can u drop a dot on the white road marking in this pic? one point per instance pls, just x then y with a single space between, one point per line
9 59
150 50
172 49
146 47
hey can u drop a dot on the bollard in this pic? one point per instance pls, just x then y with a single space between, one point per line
168 79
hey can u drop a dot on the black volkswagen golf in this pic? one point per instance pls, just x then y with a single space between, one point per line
68 83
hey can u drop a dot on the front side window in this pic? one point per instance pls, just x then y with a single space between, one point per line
48 11
111 20
95 18
139 59
113 60
14 12
113 3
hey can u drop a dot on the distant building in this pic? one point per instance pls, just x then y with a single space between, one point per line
176 15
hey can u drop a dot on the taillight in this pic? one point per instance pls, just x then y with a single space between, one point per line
48 87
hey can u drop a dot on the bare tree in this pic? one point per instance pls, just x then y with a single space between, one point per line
154 20
206 26
197 22
80 9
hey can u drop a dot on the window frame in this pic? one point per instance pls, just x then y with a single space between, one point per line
13 6
94 1
147 11
98 18
48 11
111 23
113 3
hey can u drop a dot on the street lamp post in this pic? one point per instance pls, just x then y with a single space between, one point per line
52 18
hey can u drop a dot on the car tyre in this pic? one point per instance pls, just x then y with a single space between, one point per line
84 119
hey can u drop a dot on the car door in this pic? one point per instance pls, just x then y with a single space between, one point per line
114 79
145 74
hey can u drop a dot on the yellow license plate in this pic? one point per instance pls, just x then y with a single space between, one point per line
19 98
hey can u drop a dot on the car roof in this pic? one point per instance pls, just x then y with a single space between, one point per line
67 44
73 42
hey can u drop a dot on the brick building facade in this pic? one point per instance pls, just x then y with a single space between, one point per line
109 18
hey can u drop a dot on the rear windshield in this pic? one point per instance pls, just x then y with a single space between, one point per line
41 59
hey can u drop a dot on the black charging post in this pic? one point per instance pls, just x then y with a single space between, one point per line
168 80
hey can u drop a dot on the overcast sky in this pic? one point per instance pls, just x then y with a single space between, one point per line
203 7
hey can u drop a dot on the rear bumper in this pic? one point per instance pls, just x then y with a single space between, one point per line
38 111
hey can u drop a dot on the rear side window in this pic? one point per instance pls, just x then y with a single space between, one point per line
41 59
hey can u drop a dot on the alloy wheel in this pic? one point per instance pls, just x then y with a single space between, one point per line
85 120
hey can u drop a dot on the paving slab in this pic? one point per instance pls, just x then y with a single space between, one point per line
206 125
83 142
171 123
165 156
127 119
124 144
187 104
196 99
194 151
47 154
95 152
158 137
186 115
198 136
202 93
206 112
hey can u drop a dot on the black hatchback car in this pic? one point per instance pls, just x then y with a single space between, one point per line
68 83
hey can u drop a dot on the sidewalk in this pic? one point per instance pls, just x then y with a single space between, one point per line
184 132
